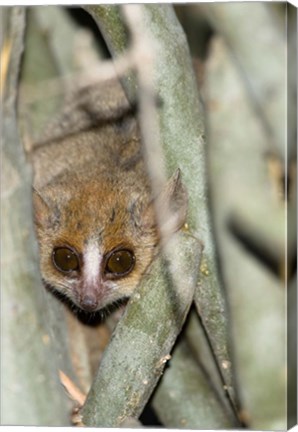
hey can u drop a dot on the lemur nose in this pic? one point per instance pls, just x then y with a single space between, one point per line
89 303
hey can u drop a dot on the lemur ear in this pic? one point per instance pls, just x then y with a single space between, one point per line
40 208
173 198
43 211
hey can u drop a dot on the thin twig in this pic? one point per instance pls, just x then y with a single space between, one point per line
72 390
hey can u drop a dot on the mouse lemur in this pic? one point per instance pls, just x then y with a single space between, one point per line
92 200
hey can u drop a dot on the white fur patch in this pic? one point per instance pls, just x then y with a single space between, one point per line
92 260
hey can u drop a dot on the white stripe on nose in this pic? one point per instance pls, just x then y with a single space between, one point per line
92 260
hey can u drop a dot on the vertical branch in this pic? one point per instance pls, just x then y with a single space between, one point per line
144 63
180 123
30 393
264 75
250 219
127 376
182 138
143 59
112 27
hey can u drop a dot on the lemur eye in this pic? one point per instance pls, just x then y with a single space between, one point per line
120 262
65 259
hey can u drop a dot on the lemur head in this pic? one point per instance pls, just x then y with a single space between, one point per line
97 239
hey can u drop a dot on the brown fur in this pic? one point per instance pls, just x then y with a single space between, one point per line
90 183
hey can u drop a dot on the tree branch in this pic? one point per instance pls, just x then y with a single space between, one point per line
30 392
136 356
181 134
264 75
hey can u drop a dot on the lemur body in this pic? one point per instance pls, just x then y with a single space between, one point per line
92 200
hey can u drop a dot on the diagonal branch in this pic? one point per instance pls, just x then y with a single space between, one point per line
136 356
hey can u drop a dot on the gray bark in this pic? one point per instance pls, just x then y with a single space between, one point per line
30 391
